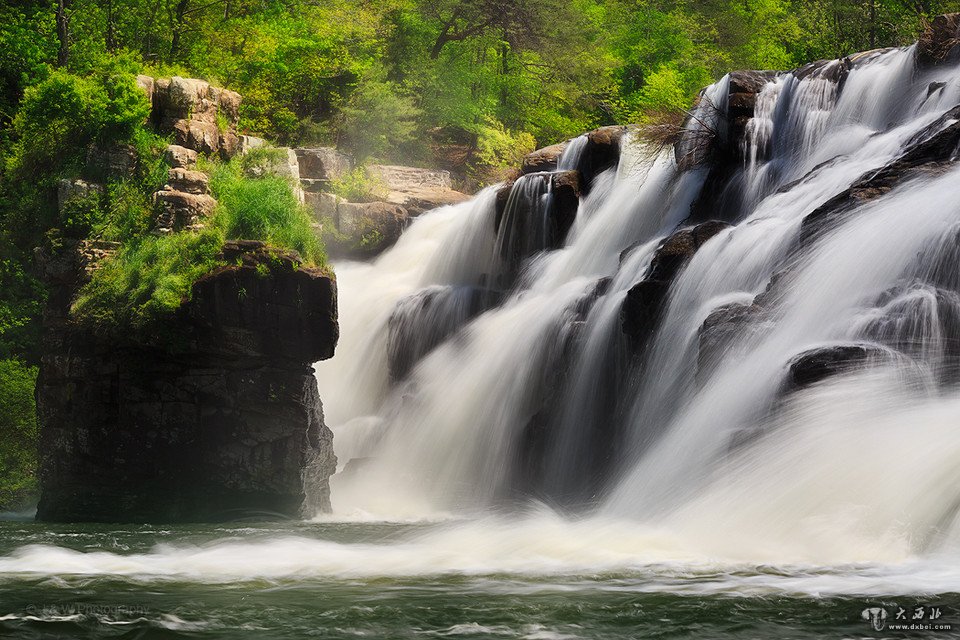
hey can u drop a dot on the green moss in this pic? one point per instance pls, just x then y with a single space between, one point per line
147 281
18 435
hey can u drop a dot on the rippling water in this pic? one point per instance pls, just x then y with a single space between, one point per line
410 580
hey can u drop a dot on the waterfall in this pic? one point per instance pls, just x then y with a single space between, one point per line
633 356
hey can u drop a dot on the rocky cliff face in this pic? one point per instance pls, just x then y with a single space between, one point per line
223 423
216 416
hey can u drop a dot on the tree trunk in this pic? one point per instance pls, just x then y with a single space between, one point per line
177 27
110 37
63 33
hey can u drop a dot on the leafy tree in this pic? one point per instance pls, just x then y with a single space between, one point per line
377 118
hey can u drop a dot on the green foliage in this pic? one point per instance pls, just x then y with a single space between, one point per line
146 281
59 117
21 305
498 147
265 209
27 43
358 186
18 435
377 118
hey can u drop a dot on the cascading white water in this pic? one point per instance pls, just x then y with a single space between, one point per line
537 387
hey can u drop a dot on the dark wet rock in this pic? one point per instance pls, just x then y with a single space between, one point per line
502 197
601 152
720 148
645 301
566 188
421 322
539 209
815 365
221 422
935 87
835 71
722 328
642 307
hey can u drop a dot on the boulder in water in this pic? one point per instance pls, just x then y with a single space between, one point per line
544 159
815 365
720 329
601 152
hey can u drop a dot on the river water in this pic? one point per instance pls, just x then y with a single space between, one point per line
538 578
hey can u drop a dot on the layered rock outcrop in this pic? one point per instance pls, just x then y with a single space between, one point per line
200 116
218 421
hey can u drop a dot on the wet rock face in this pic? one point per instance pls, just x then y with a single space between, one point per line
225 423
815 365
424 320
645 301
930 153
601 152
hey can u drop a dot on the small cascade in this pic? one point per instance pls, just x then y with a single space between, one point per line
572 154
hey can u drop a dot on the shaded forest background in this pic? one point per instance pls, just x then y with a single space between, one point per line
472 85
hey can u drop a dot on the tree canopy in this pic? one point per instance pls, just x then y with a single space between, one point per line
389 78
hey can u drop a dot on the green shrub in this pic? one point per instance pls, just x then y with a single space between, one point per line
57 122
264 209
59 117
498 147
18 435
358 186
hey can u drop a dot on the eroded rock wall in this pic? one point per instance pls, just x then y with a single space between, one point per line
220 421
